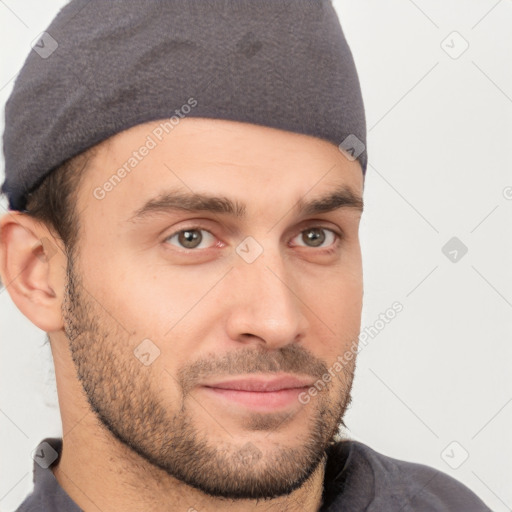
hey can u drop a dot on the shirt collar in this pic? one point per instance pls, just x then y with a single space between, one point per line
47 490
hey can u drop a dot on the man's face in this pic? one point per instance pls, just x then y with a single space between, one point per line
196 334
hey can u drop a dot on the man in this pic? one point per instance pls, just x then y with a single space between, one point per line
185 183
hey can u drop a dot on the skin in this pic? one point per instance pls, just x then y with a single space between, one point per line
144 437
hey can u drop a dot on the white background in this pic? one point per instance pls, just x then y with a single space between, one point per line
440 160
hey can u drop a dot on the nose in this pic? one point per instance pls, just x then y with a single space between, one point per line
266 307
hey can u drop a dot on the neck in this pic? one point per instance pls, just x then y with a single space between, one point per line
100 473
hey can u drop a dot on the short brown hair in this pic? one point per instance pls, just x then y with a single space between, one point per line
54 201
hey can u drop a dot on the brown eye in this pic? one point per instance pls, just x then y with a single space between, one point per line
317 237
189 238
314 236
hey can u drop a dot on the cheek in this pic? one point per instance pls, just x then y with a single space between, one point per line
154 301
337 307
338 294
127 292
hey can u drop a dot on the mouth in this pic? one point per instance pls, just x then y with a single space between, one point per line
259 393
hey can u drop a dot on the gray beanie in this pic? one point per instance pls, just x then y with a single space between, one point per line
102 67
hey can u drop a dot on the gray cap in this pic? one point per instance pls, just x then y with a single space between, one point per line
103 67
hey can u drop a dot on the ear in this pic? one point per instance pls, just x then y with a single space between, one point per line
33 269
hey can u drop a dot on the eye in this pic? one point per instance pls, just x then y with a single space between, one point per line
316 237
197 238
190 238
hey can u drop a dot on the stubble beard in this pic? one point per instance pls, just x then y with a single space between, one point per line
122 394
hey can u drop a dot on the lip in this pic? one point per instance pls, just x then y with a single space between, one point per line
262 384
260 394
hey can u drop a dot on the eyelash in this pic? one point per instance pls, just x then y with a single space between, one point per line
337 238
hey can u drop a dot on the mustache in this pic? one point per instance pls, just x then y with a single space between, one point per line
292 359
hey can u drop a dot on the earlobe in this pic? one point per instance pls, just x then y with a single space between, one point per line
32 269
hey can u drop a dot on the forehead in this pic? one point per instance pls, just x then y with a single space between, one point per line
212 156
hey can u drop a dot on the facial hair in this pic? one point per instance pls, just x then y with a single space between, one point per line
127 400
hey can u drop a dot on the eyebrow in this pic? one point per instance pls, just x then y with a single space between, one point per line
175 200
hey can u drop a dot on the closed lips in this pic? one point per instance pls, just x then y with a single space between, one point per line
261 386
